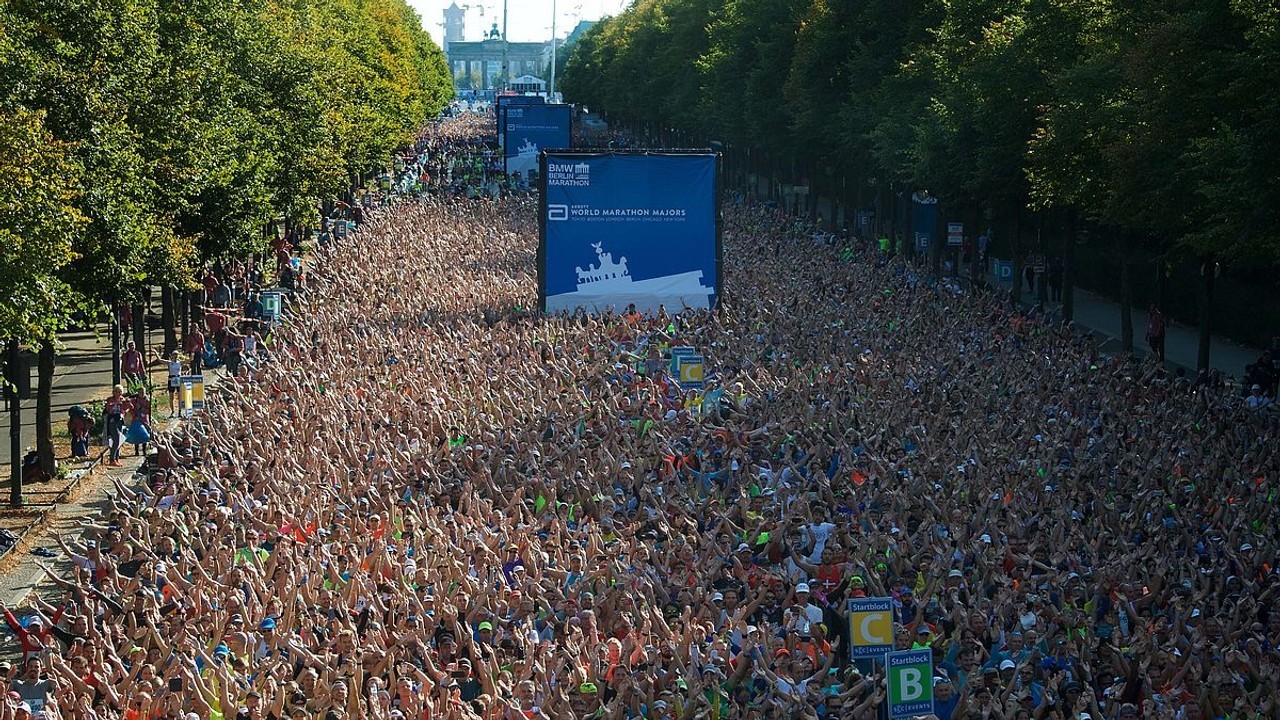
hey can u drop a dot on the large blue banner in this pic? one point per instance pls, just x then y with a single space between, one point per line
501 102
623 229
531 128
924 219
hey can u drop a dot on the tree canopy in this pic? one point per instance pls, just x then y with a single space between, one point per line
1151 117
143 137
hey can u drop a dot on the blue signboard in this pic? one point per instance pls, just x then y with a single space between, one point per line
629 228
1003 270
531 128
677 353
924 219
502 102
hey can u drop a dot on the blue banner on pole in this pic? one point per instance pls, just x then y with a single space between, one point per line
531 128
1003 270
503 102
622 229
924 219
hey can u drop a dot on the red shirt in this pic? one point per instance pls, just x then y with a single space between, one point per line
829 577
215 321
132 363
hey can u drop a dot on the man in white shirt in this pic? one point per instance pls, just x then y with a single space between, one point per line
811 611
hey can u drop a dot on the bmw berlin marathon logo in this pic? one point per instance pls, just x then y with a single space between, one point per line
569 174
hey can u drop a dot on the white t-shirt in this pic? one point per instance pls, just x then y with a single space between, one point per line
813 612
818 534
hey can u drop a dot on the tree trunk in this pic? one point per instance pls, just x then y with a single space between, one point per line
1208 276
15 427
937 245
184 303
972 221
44 409
1162 283
169 319
1069 268
1042 277
906 233
140 327
116 343
1015 249
1126 296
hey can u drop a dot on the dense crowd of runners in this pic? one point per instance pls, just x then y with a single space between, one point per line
433 502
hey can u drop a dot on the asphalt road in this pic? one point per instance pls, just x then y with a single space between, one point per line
82 375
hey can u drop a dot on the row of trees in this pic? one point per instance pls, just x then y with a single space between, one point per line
1151 121
140 139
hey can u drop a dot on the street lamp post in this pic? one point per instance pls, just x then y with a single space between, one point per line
506 75
551 89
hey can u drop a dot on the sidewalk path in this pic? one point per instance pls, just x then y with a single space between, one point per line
82 374
1181 344
22 572
1101 315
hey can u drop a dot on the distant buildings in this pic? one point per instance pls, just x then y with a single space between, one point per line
455 21
477 65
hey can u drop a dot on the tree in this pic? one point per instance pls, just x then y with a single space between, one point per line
188 126
39 215
39 189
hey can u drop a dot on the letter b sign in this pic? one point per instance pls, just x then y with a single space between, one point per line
911 684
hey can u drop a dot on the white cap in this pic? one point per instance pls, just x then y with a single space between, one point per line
1007 665
717 596
985 538
802 588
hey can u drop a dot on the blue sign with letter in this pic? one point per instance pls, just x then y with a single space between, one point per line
502 102
531 128
629 228
924 219
689 371
1003 270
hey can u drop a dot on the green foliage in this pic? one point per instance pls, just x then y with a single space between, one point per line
1156 118
39 192
190 124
